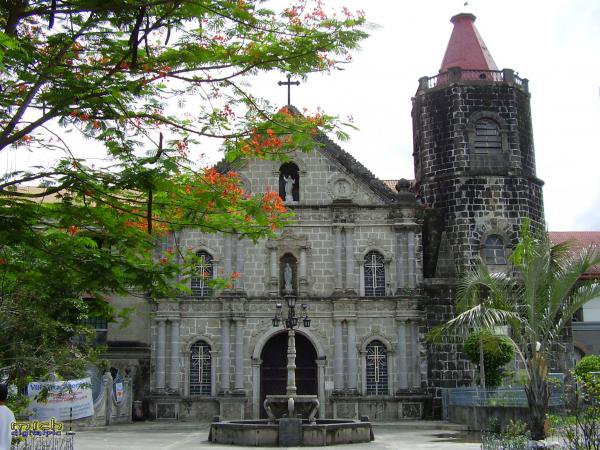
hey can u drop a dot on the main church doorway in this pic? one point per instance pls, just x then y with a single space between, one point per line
273 371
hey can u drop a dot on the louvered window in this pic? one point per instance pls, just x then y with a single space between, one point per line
487 137
493 251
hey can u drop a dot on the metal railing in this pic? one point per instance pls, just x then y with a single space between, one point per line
502 396
456 74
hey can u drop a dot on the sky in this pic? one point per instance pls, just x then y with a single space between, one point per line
555 44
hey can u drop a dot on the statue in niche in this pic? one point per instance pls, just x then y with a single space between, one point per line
289 186
287 278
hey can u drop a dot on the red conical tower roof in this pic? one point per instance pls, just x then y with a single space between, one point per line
466 49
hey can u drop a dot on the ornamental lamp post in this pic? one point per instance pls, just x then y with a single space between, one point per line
290 323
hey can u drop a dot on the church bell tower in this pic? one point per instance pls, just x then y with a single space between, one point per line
474 156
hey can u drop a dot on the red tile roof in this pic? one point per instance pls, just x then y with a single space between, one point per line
579 239
466 48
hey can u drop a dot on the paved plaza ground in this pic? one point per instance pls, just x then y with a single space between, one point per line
183 436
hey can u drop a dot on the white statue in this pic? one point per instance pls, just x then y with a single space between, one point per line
289 186
287 278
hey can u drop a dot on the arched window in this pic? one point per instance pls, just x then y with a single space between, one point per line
288 260
377 368
200 369
289 183
204 272
374 275
493 251
487 138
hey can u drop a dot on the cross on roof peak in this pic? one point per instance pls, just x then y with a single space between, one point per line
288 83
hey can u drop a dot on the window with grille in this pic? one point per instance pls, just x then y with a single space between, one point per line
493 252
487 137
200 369
374 275
100 326
204 272
377 369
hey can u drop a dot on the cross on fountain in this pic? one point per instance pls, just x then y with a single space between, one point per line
288 83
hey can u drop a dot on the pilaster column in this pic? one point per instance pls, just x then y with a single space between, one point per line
338 362
239 264
350 277
186 372
239 355
161 344
402 361
175 356
415 364
412 275
256 363
225 349
302 270
321 387
400 260
227 256
337 257
352 355
273 273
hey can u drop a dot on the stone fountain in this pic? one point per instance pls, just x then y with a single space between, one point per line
292 417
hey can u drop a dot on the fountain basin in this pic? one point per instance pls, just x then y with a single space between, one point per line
262 433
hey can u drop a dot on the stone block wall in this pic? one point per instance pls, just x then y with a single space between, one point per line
475 194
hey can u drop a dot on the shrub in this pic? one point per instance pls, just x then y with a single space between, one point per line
497 351
587 364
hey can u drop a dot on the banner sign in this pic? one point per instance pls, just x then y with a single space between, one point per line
119 392
66 399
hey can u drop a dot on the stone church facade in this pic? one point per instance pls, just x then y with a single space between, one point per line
376 264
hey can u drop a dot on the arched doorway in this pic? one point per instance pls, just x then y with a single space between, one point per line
273 370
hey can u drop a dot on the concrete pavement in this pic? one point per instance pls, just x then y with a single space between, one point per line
185 435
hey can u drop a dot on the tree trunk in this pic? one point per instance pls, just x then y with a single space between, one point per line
538 395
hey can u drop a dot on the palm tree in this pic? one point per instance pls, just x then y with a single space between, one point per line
537 301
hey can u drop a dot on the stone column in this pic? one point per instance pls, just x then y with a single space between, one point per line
161 344
321 387
337 256
239 355
350 276
186 372
239 264
416 357
214 355
291 387
302 271
412 274
225 349
338 362
400 260
175 355
402 361
256 362
273 273
227 256
352 356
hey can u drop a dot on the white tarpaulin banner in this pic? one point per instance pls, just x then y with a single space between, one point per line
65 399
